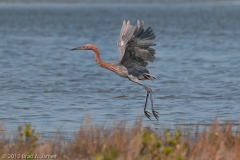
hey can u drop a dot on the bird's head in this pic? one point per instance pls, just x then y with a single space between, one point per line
84 47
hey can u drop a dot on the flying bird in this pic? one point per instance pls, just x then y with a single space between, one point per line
134 54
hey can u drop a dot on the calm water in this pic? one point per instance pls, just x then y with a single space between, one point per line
43 83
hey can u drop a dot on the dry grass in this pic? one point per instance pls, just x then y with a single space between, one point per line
124 143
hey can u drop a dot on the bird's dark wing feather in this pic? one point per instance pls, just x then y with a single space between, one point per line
134 48
134 44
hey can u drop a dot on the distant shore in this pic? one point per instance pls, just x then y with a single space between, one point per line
119 2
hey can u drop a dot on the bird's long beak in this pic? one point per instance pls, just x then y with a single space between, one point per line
78 48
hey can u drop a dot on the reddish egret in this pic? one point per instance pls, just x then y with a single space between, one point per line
134 54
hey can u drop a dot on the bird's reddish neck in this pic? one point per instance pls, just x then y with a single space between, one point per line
101 63
97 57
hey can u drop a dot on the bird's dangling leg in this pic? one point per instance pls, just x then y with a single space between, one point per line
153 111
145 111
149 91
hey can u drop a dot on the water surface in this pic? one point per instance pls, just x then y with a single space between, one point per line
43 83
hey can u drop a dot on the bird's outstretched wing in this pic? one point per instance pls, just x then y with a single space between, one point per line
134 44
126 34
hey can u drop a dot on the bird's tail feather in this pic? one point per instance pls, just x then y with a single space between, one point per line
149 76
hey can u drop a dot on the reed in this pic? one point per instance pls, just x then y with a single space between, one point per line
99 142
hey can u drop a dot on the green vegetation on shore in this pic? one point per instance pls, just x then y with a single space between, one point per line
124 143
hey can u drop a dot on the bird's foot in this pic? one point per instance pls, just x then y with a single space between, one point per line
155 114
147 114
